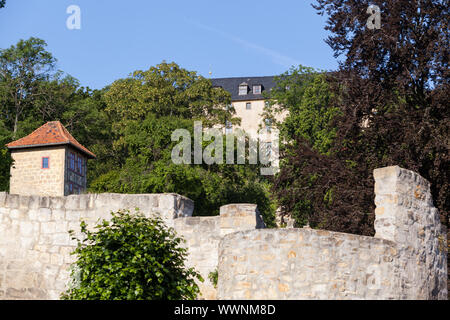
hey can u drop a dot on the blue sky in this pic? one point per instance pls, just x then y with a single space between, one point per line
229 38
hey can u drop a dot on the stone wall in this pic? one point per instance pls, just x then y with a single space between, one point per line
203 235
406 260
406 215
35 245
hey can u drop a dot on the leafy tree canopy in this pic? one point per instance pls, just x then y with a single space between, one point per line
168 90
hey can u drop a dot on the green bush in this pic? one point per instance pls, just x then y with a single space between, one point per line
131 257
213 276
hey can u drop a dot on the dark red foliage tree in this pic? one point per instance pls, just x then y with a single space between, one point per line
392 88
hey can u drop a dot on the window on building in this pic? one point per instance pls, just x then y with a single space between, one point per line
257 89
70 188
248 105
45 163
72 161
243 89
268 125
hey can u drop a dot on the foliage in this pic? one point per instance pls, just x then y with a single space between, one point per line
303 94
5 158
2 3
131 257
213 276
31 93
168 90
128 125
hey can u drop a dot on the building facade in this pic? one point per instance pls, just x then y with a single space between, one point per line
248 97
49 162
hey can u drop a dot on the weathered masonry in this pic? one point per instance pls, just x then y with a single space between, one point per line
49 162
407 259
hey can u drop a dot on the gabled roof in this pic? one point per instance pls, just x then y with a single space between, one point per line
50 134
232 86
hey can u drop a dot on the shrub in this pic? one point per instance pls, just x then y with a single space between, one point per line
131 257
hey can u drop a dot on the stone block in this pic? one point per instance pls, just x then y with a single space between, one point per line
12 201
56 259
72 202
28 229
48 227
24 202
58 215
167 202
44 202
61 239
17 214
72 215
57 202
44 215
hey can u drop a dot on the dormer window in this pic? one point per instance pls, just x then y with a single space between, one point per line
243 89
257 89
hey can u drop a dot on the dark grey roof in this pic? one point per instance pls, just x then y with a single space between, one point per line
232 86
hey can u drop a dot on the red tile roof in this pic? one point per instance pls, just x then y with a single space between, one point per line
51 133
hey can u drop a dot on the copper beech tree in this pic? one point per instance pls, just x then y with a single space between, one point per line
392 90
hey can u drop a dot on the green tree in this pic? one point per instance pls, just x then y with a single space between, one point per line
145 109
131 257
391 93
304 95
168 90
2 3
22 67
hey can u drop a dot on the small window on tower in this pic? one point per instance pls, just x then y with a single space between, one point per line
248 105
45 163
